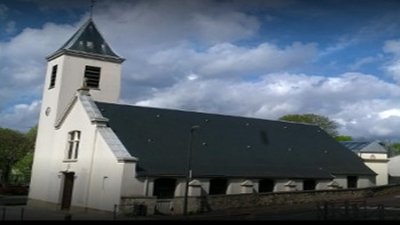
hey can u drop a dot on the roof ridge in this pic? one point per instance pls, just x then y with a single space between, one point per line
211 114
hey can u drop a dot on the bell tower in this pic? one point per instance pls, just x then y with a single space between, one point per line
84 58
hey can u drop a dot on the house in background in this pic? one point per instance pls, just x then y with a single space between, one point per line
92 152
394 169
375 156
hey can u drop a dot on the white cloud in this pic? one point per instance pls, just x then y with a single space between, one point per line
353 99
186 55
225 26
365 61
21 116
226 59
389 113
22 61
393 67
151 24
392 46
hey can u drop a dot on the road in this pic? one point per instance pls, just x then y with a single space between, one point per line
377 208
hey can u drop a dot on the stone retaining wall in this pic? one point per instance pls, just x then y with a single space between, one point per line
235 201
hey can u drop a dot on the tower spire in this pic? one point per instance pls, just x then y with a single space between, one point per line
92 2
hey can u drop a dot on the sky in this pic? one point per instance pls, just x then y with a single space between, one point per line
262 59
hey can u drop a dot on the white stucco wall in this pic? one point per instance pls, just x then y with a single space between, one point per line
381 168
150 186
44 146
341 180
394 166
50 154
362 181
366 181
131 186
69 78
46 179
280 185
234 186
373 156
106 178
378 162
322 184
98 175
73 70
180 187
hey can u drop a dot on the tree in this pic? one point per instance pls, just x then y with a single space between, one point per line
31 137
24 166
395 149
13 147
23 169
343 138
324 122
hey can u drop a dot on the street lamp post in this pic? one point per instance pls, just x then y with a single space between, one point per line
189 169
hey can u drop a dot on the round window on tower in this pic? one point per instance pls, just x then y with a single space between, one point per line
47 112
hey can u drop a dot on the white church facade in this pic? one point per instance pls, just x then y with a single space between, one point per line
92 152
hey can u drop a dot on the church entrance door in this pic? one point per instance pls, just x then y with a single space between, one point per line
67 190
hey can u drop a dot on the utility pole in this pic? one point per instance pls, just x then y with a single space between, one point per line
189 169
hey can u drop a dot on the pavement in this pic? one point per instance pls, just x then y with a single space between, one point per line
377 208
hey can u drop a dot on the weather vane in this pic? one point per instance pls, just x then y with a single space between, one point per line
91 7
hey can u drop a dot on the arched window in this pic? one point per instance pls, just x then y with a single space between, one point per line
218 186
164 187
266 185
309 184
74 138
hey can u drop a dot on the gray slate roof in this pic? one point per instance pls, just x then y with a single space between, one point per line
365 146
227 145
88 41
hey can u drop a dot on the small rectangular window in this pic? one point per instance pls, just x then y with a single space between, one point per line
53 76
73 145
92 76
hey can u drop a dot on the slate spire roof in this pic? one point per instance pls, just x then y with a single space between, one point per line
88 42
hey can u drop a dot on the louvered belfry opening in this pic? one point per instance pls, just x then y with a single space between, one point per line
92 76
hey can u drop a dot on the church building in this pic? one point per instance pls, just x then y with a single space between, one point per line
94 153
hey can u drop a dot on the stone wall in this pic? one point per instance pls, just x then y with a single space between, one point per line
137 206
220 202
235 201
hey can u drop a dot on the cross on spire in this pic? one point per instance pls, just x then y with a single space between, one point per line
92 2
